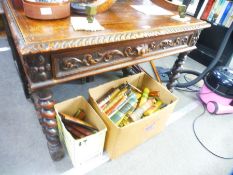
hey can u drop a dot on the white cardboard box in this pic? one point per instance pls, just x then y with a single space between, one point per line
87 148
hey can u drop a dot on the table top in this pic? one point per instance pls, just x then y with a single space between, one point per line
121 23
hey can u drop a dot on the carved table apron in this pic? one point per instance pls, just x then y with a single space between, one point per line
51 52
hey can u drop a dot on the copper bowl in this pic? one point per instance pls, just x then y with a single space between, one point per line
45 10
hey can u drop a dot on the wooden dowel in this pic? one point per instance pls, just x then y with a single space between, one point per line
155 71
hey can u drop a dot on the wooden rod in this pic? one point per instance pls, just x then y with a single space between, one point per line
155 71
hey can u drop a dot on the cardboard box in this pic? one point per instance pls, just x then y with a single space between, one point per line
120 140
84 149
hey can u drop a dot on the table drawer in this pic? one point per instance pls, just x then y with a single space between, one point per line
107 56
73 63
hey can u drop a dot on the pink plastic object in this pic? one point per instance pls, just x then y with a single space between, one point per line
215 103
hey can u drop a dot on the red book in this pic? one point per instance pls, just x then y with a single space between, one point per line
207 9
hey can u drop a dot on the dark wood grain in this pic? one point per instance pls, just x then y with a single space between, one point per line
175 72
43 36
47 118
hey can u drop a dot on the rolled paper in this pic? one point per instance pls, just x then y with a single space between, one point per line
116 105
76 121
110 95
113 95
117 118
153 108
138 95
132 95
138 113
104 106
125 121
120 87
105 95
144 96
122 93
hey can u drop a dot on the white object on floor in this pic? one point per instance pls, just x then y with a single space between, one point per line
178 18
3 49
81 23
89 166
151 9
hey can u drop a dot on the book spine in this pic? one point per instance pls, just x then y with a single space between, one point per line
229 21
192 8
225 13
213 9
202 9
198 8
218 10
221 12
229 14
207 10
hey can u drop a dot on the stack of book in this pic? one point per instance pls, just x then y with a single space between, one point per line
219 12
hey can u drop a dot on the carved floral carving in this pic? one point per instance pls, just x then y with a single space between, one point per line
106 56
172 43
39 68
137 51
88 60
194 38
69 63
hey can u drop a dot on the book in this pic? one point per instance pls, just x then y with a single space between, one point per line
229 14
216 10
200 4
212 10
229 22
221 12
207 9
202 9
225 12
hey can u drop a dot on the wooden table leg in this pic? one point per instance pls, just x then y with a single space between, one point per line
177 67
45 107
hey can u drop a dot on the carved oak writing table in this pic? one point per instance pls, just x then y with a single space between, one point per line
51 52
